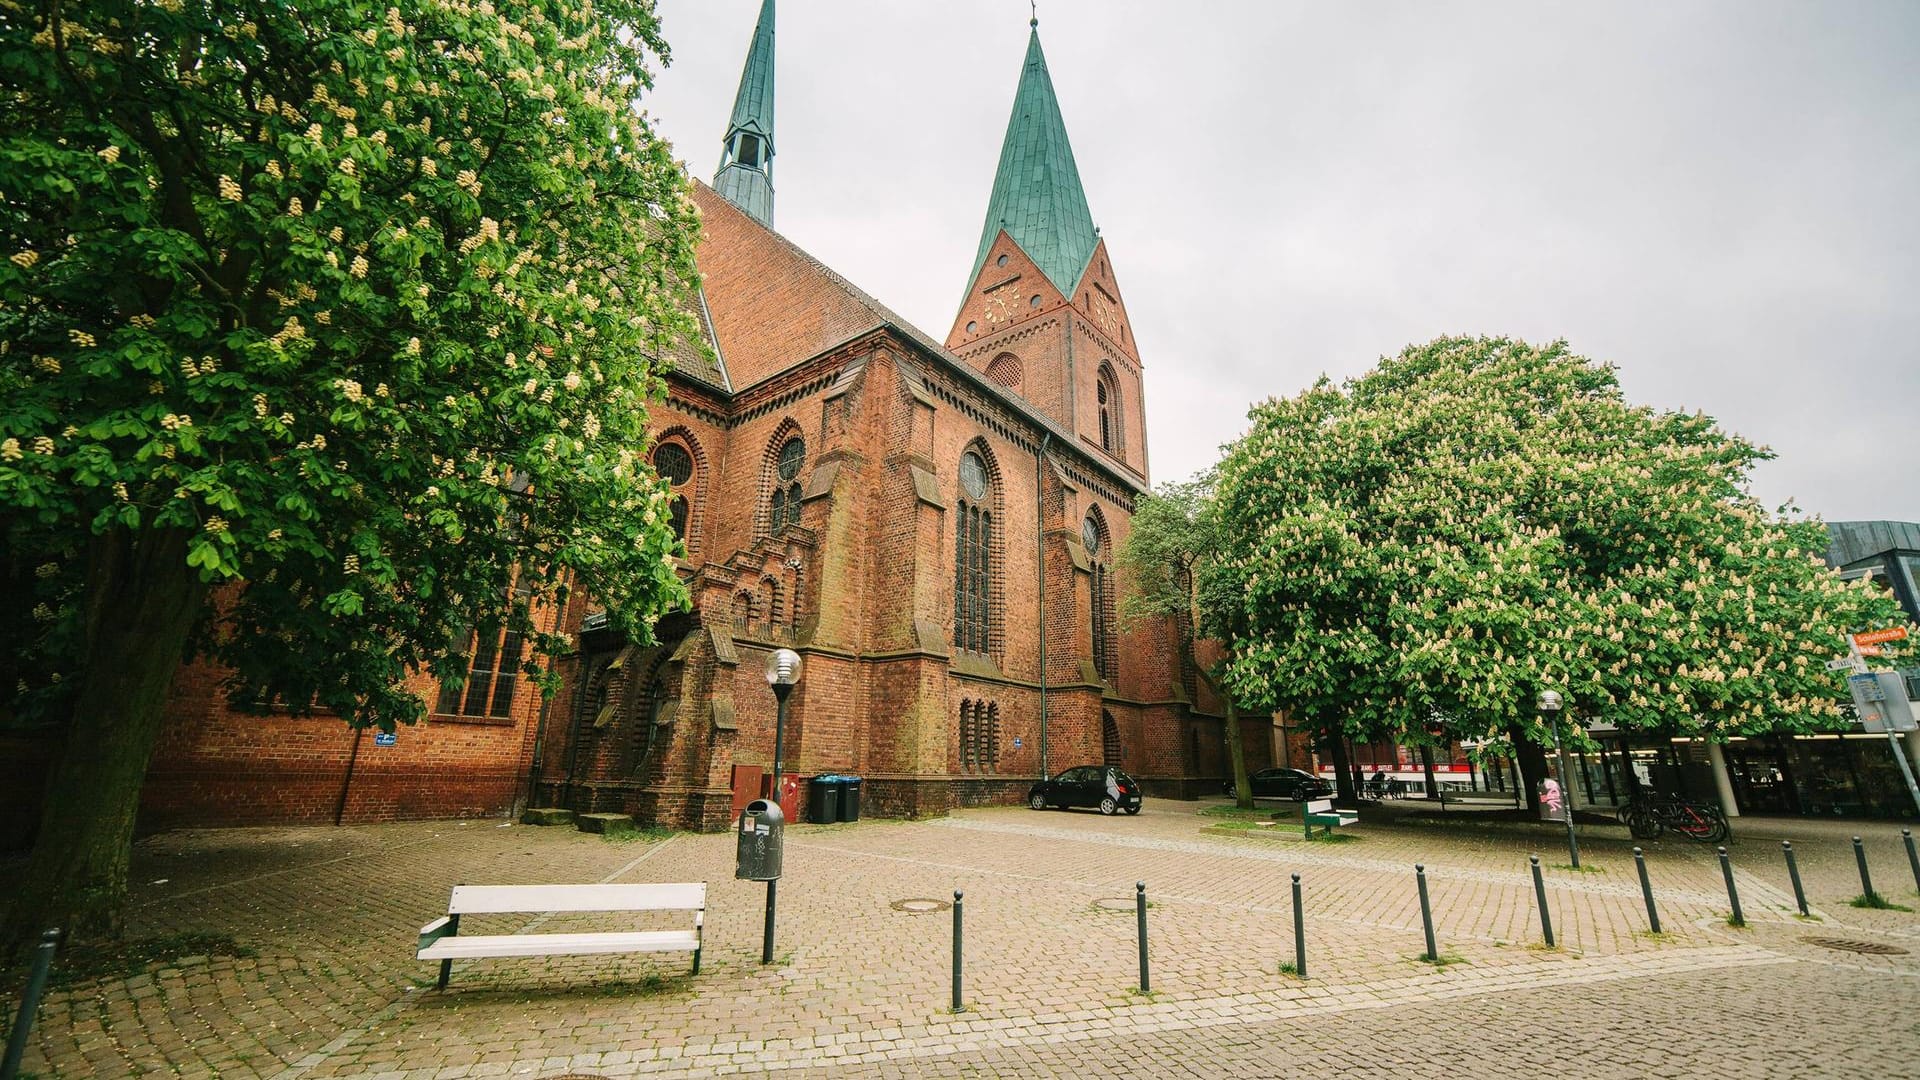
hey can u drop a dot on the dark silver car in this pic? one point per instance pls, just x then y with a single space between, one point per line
1278 783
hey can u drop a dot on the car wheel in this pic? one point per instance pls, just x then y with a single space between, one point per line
1133 809
1108 806
1037 801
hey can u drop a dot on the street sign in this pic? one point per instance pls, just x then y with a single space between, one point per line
1880 699
1841 664
386 738
1875 637
1870 650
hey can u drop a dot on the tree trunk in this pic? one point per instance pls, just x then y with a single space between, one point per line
1532 762
1426 763
1344 791
142 600
1237 757
1236 753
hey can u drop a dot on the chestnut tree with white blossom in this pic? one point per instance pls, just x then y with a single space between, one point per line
327 334
1419 551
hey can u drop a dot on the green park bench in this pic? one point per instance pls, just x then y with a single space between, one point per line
1321 812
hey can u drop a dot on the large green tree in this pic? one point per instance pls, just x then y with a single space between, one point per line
350 305
1173 543
1424 548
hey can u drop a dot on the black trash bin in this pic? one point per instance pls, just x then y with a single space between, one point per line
849 798
823 800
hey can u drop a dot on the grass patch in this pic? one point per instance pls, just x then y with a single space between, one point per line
1287 968
1570 868
1735 924
1445 959
1650 935
644 834
1876 902
1332 838
1149 996
1231 811
1806 918
91 961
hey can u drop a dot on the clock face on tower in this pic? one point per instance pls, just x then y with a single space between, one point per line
1105 315
999 310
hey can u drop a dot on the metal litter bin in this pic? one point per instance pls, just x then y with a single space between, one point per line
823 800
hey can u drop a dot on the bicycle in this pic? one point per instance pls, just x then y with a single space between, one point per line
1647 817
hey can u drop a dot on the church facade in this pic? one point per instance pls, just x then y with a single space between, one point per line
933 524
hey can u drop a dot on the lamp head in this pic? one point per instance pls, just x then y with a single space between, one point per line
783 667
1548 701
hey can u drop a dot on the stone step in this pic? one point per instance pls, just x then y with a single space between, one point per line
608 824
546 815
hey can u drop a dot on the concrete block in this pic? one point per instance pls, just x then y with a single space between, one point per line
608 824
546 815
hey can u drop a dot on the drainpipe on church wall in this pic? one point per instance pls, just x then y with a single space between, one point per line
1040 578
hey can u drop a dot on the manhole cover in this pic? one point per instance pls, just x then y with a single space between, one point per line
920 906
1114 903
1853 945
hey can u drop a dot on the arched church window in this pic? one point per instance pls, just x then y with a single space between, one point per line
673 463
1005 370
1101 598
973 556
1106 394
784 508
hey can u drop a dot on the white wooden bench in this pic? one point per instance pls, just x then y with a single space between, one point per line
440 939
1321 812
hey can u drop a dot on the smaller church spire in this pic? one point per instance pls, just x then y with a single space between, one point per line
745 176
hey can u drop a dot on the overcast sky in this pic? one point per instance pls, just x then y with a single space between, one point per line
1723 199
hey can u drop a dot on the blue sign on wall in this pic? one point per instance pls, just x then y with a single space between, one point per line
386 738
1016 742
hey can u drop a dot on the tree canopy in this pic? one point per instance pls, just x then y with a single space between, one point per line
334 292
354 307
1426 547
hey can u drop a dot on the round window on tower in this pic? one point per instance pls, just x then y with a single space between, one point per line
1001 261
1035 302
973 476
973 328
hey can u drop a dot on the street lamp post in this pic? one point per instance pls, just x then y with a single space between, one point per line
783 674
1548 702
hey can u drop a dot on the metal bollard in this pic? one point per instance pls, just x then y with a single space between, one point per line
1426 912
958 903
1140 914
1733 892
1299 932
1646 890
1913 857
1866 879
29 1003
1793 871
1540 893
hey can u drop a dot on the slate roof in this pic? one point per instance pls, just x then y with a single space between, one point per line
1857 540
1037 197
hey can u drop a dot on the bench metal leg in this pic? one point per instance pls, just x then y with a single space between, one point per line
696 961
446 966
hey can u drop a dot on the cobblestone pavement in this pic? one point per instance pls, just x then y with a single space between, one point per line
861 984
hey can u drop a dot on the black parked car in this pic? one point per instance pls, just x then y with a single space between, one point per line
1100 786
1284 784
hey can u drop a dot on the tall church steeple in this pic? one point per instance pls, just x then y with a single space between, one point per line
745 176
1043 317
1037 196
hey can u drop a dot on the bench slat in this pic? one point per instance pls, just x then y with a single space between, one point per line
455 948
499 899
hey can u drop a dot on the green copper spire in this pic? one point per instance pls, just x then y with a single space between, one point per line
745 176
1036 192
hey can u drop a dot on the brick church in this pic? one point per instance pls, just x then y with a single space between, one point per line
931 523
